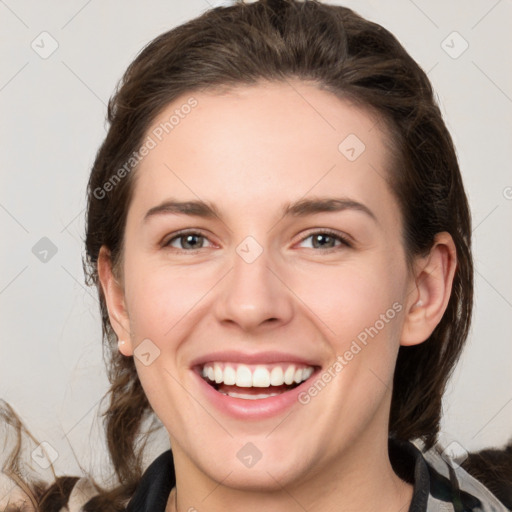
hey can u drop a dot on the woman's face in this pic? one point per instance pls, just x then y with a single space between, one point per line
301 274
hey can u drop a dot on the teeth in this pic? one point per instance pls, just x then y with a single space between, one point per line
243 376
259 376
229 376
288 374
276 376
217 370
307 372
247 396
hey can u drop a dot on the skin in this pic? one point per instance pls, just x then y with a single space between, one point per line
249 151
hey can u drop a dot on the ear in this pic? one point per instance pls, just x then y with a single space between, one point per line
431 291
114 297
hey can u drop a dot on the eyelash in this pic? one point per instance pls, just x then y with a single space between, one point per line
332 234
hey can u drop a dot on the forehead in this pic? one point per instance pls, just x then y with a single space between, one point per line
259 145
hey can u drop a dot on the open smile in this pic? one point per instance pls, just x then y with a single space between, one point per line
253 391
255 382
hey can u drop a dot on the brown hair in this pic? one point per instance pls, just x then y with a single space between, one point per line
351 57
494 467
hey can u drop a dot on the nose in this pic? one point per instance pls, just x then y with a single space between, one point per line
253 295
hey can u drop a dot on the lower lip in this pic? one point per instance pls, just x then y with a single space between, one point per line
258 409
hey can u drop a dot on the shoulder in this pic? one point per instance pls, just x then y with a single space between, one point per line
450 483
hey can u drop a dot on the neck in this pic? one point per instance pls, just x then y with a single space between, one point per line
361 478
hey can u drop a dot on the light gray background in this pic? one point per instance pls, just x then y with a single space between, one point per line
53 113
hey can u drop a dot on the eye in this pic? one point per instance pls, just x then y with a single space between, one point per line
190 241
326 239
187 241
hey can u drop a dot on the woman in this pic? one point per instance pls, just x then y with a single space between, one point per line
281 242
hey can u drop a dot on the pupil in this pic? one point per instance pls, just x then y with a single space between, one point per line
190 238
320 238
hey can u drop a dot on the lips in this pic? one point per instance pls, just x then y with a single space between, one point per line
250 403
245 379
254 358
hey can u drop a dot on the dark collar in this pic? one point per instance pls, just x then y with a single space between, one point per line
409 464
159 478
155 486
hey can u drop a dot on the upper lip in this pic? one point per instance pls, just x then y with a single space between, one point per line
232 356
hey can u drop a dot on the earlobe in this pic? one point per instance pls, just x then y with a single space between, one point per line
114 298
431 291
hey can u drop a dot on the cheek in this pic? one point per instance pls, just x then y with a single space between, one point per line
159 297
161 301
352 297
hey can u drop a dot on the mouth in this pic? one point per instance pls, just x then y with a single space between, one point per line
254 382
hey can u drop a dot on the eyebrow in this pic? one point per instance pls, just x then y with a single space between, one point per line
300 208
